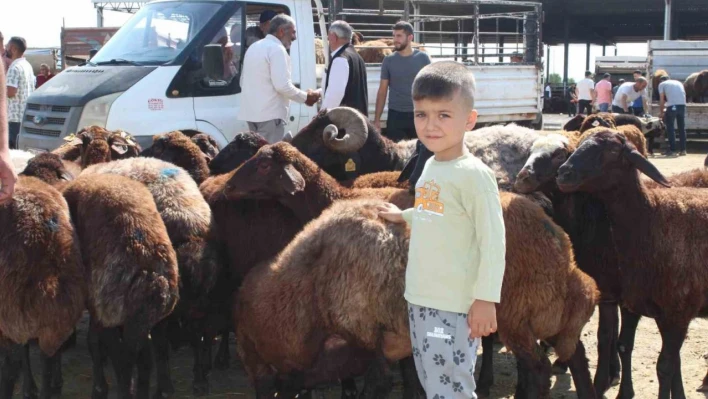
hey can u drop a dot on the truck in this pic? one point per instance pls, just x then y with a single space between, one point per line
620 67
679 59
155 73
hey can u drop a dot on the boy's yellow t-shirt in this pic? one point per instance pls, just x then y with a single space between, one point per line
457 246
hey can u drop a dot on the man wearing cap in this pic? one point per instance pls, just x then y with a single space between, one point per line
673 95
256 33
603 89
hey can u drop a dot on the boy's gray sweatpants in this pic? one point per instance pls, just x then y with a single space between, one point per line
444 354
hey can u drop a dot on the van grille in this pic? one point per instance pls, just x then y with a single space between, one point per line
54 108
43 132
49 121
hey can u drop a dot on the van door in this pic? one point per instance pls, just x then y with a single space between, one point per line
217 102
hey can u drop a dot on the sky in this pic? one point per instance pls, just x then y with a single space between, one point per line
40 22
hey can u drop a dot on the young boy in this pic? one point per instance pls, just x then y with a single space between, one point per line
457 247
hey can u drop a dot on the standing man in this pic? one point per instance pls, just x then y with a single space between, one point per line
345 81
20 84
627 93
548 91
268 87
614 89
603 89
7 172
586 94
640 104
398 71
572 100
673 95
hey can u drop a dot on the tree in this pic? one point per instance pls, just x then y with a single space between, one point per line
571 81
555 79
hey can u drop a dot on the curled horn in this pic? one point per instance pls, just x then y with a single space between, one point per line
351 121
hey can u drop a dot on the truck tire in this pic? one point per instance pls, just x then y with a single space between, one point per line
538 123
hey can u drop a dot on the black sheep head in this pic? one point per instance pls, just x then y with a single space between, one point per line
602 162
238 151
573 125
331 139
271 173
548 153
207 144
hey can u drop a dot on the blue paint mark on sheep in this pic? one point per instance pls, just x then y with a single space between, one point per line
53 224
139 236
169 172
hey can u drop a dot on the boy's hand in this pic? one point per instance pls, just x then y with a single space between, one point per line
482 319
391 213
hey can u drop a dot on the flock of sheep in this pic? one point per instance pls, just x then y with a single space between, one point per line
281 244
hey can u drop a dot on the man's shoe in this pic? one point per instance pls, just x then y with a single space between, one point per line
682 153
668 153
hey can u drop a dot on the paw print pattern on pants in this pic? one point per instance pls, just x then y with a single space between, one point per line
458 357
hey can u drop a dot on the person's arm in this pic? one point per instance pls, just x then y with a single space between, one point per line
339 77
280 75
7 171
483 206
12 82
380 102
623 101
662 101
645 100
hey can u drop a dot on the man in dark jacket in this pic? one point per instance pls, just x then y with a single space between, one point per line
345 81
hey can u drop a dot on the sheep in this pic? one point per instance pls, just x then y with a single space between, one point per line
362 149
374 51
697 178
379 180
375 272
97 145
131 271
279 171
602 119
319 52
177 148
653 228
207 144
574 123
651 127
70 150
655 81
19 159
630 132
51 169
43 288
696 86
242 147
188 220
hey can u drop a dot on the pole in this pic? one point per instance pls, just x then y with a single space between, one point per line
587 57
667 20
99 16
566 45
604 47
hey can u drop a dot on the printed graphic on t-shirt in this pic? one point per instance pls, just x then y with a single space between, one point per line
426 199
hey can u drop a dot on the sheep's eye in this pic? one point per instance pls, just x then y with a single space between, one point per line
263 167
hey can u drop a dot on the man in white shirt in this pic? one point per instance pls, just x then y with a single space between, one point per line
20 84
627 93
8 177
345 81
585 91
672 95
266 83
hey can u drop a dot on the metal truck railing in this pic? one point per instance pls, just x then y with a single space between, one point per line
478 32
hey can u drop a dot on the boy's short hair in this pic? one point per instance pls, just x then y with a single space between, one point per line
442 80
404 26
19 42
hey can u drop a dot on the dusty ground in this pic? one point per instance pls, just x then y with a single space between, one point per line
233 383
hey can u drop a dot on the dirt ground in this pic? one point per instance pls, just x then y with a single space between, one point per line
233 383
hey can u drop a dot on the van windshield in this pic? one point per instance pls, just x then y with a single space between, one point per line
157 34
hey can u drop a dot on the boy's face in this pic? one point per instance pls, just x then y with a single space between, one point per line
441 124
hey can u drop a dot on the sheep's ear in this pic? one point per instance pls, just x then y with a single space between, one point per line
208 158
408 169
644 166
292 180
119 147
65 175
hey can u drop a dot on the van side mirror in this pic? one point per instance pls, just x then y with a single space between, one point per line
213 61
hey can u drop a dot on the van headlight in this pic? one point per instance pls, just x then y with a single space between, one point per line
95 112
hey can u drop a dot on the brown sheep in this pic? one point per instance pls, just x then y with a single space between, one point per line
655 81
97 145
131 271
207 144
651 229
71 149
188 220
177 148
43 291
631 132
279 171
319 52
697 178
602 119
379 180
374 51
51 169
696 86
375 272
